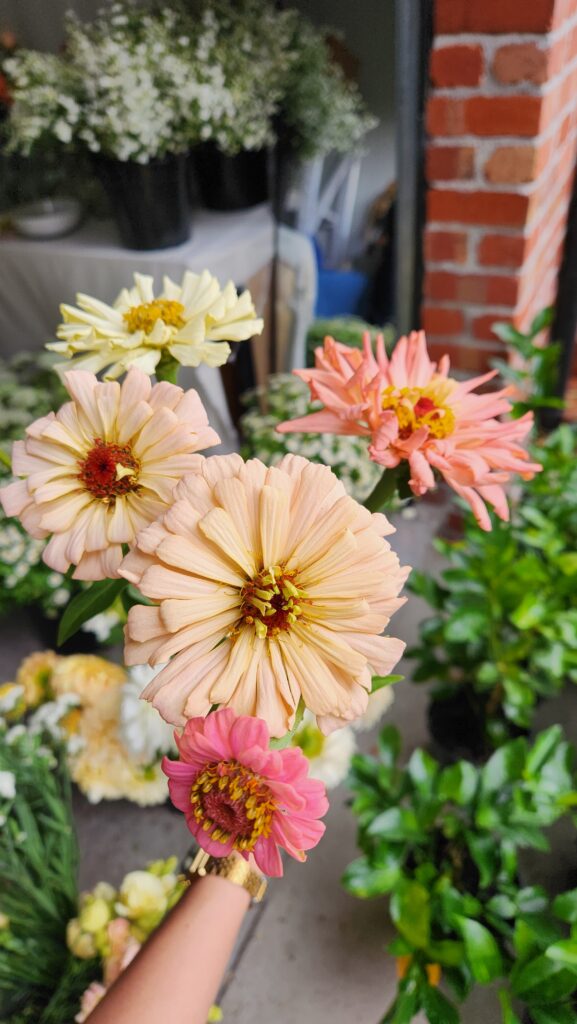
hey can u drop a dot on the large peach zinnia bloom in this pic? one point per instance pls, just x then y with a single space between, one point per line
272 583
103 467
413 411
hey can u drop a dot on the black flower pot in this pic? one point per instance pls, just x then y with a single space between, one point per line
149 201
462 727
231 182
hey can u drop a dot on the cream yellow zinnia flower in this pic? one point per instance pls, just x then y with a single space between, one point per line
103 467
35 676
191 323
272 584
95 681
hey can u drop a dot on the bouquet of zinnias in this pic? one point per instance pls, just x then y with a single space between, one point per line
261 591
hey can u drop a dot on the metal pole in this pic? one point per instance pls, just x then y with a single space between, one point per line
412 40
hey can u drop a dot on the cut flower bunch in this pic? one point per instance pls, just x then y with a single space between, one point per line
256 593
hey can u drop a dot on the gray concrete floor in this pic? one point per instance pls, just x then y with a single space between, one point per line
311 953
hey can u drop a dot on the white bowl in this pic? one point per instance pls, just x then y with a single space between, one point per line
46 218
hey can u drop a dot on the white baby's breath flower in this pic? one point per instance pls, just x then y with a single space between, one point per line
10 697
7 785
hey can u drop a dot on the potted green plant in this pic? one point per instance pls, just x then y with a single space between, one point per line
128 91
503 633
442 843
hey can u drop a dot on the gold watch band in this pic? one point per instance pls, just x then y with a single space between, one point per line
235 868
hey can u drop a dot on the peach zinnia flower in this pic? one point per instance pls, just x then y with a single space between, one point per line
273 584
103 467
413 411
238 795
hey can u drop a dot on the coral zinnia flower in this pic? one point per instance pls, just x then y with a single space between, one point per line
103 467
412 410
272 584
191 322
238 795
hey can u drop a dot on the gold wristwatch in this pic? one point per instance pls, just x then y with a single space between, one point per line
235 868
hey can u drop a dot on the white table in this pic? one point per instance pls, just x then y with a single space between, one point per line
35 277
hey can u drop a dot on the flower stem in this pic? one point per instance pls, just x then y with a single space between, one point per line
167 369
382 492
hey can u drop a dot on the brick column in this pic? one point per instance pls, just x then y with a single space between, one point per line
502 127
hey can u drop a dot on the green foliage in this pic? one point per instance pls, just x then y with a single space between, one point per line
442 843
503 632
38 866
534 367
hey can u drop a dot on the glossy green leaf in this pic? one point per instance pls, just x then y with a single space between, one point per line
508 1015
365 881
437 1007
458 782
395 823
565 906
530 612
542 981
542 749
483 952
564 952
560 1014
96 599
505 765
465 626
411 912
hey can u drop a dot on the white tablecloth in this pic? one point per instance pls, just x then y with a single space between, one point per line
35 277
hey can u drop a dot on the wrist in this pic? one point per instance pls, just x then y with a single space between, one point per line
234 869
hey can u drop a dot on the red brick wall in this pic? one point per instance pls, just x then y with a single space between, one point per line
502 143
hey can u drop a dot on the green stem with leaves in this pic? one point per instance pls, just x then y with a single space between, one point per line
383 491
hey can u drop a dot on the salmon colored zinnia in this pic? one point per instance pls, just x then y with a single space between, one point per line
103 467
272 584
238 795
411 410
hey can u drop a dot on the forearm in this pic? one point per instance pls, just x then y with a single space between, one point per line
177 973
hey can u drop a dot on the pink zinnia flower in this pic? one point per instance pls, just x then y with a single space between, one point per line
411 410
104 467
272 584
238 795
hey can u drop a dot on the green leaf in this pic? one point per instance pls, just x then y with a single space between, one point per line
446 952
96 599
482 950
541 321
458 782
437 1007
529 613
542 981
422 769
465 626
565 952
568 563
505 765
509 1017
565 906
395 823
380 681
364 881
507 333
411 912
542 749
561 1014
484 852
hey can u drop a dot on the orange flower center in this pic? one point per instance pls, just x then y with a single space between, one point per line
272 601
144 317
422 407
109 470
232 802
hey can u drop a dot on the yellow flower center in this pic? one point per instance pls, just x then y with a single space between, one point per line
144 317
109 470
422 407
232 802
272 601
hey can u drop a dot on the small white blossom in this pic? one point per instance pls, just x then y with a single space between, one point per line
7 785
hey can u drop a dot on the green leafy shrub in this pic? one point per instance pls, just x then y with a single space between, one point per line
442 843
503 633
